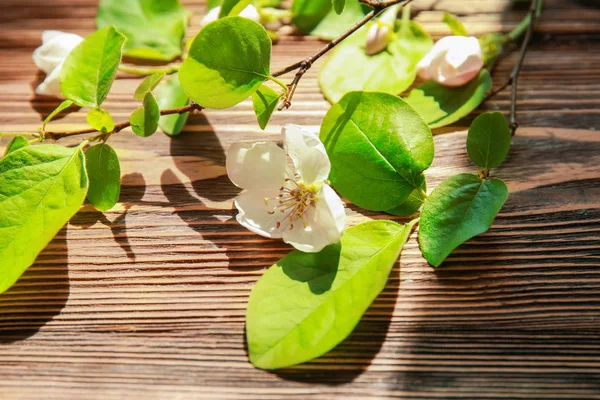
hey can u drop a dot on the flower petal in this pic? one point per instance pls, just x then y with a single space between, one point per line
307 152
325 224
260 165
254 213
51 85
57 46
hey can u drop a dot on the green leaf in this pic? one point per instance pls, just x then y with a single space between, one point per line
307 303
100 120
461 207
378 147
413 202
441 105
154 29
90 69
144 120
333 24
338 5
390 71
41 188
18 142
148 85
224 75
172 95
492 46
61 107
307 14
265 101
231 8
488 141
457 27
104 173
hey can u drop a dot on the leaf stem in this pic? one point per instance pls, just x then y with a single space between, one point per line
423 193
22 134
143 71
304 65
277 81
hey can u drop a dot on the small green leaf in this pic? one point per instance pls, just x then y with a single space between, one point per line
100 120
392 71
333 24
90 68
492 46
488 141
154 29
441 105
265 101
41 188
307 303
18 142
144 120
147 85
172 95
457 27
231 8
307 14
338 5
224 75
413 202
378 147
104 172
461 207
61 107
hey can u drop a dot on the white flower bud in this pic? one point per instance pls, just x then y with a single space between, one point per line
453 61
49 58
249 12
378 37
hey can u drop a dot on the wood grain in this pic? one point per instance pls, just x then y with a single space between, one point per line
148 300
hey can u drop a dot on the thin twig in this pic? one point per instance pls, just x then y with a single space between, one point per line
304 65
120 126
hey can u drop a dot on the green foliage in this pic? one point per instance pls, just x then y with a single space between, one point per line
104 173
461 207
148 85
307 14
488 141
154 29
90 69
265 101
61 107
441 105
338 5
307 303
41 188
224 75
231 8
333 24
144 120
349 68
492 46
100 120
457 27
378 147
18 142
172 95
413 202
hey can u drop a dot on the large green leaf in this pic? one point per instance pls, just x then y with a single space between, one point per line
228 61
307 14
104 172
144 120
378 147
90 68
488 141
154 29
18 142
461 207
334 24
265 100
413 202
172 95
307 303
393 70
41 188
441 105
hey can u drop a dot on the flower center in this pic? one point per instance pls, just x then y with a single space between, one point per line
293 201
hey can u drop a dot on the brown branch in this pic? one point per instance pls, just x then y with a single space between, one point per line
534 14
120 126
304 65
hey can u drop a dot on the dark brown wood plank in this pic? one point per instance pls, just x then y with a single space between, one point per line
148 300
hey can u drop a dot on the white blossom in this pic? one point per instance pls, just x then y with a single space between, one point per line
293 203
49 57
381 32
453 61
249 12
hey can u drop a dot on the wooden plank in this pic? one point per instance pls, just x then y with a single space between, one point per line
148 300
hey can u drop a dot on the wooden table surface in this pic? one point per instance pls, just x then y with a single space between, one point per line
148 300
